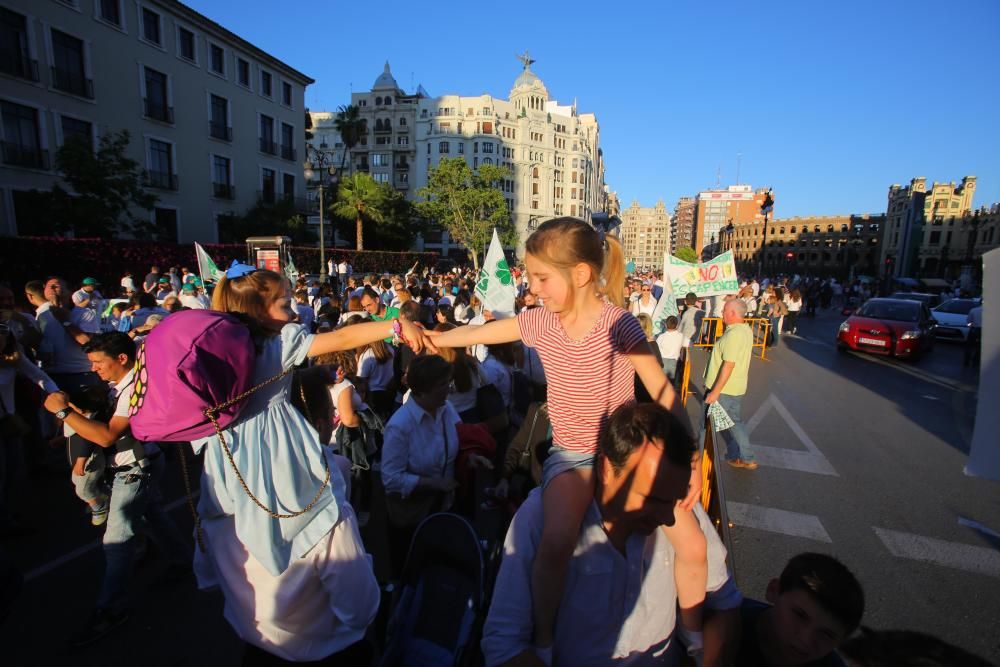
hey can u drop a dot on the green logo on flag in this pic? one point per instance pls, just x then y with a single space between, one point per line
484 281
503 273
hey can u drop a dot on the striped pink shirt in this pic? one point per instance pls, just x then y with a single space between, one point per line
588 378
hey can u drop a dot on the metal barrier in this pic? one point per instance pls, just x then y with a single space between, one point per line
713 497
761 328
711 330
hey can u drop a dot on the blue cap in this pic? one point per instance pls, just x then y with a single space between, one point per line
238 270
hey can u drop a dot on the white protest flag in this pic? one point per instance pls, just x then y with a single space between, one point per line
206 267
291 270
496 284
667 305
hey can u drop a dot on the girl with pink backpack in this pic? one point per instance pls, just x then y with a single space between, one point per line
280 538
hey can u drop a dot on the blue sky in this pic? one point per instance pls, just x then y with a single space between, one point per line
828 103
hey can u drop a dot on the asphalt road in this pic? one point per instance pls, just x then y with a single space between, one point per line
861 458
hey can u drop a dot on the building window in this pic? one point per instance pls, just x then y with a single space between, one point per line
74 127
151 27
265 83
218 123
443 147
381 177
21 139
286 93
381 159
405 141
266 135
161 166
186 45
243 72
157 104
288 185
487 147
111 12
165 220
68 74
287 141
222 183
217 59
15 58
267 185
461 148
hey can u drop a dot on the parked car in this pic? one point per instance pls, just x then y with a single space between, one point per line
926 298
951 317
894 327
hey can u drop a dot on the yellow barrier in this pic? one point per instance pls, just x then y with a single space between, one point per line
685 376
711 330
761 328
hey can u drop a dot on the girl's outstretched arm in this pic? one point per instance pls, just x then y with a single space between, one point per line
498 331
357 335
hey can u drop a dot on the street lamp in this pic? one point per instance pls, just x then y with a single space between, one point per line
320 164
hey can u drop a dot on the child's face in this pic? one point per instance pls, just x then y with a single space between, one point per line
280 313
801 630
548 283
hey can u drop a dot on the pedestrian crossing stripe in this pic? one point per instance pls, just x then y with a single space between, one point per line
956 555
773 520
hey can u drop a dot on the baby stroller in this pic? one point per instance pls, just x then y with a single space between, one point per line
437 621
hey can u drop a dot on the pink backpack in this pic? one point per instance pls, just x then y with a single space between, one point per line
193 360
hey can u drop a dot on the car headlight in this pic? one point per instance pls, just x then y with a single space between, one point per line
845 327
910 335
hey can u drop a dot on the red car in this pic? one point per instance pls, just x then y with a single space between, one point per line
893 327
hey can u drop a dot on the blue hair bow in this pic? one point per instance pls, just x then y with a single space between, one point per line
237 270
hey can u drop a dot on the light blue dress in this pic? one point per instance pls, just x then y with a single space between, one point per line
280 457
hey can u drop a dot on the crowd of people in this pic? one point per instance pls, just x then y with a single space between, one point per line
405 387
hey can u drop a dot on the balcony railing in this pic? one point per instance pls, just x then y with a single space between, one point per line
20 66
224 190
220 131
72 82
158 111
268 146
382 129
161 180
288 153
266 196
25 156
403 165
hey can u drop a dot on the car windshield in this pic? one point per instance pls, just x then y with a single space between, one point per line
888 310
956 306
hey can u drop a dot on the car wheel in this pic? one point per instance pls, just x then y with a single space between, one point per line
841 348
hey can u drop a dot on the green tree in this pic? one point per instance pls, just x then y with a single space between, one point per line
686 254
351 127
361 198
469 204
277 219
105 194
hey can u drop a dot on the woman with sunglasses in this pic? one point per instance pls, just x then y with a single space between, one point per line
645 304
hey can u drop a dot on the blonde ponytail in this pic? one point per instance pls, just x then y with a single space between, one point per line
613 271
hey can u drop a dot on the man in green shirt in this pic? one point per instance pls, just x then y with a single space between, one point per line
377 310
726 380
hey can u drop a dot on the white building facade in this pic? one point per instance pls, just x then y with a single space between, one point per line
645 234
552 151
216 123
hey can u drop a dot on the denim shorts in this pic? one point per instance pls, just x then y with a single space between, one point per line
560 460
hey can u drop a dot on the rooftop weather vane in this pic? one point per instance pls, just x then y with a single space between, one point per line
525 59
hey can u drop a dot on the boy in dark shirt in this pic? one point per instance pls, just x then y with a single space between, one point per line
814 606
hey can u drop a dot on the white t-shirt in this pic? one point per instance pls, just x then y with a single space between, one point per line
82 295
793 306
335 392
191 301
670 343
379 375
123 390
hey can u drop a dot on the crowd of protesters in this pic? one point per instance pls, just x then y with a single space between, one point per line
407 383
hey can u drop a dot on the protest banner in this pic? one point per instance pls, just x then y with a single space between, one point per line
711 278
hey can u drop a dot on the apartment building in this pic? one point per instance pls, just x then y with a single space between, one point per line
837 245
682 224
552 151
910 210
215 122
645 234
719 207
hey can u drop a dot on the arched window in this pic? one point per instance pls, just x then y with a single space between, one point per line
829 228
378 123
388 101
781 230
534 172
387 124
378 101
792 230
816 229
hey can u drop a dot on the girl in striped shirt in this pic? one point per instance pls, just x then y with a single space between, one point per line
591 348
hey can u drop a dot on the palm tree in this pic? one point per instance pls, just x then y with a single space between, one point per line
361 197
351 127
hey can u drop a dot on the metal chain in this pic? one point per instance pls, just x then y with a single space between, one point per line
199 534
212 414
